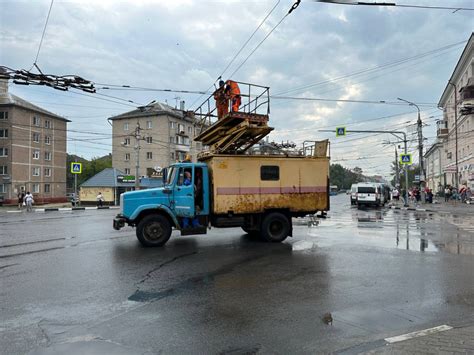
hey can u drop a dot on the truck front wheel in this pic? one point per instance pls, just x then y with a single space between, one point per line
275 227
154 231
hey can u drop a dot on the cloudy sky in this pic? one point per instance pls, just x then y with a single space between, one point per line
320 50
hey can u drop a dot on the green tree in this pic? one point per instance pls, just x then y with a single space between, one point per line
343 177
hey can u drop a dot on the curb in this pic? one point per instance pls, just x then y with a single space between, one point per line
72 209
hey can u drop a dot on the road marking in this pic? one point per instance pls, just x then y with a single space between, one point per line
14 211
417 334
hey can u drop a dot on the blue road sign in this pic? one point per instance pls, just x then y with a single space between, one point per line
405 159
76 168
340 131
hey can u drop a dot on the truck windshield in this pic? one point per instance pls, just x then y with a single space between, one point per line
171 175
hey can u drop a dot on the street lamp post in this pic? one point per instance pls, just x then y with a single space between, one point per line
420 135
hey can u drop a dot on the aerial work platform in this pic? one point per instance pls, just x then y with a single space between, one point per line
235 131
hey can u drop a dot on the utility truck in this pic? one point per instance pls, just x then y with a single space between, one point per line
232 184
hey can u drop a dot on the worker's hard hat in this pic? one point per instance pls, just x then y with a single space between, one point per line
221 83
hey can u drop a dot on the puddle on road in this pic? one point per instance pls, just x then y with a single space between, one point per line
412 231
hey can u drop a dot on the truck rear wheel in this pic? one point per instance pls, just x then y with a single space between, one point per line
154 231
275 227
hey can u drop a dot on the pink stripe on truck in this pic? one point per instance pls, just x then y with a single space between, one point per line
269 190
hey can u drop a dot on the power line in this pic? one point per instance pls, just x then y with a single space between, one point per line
238 52
42 36
295 5
379 102
375 68
392 4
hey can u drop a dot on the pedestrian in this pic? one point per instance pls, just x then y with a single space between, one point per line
21 197
234 95
429 196
395 194
222 101
446 193
468 195
28 199
100 199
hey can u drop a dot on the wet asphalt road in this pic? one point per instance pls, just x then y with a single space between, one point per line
71 284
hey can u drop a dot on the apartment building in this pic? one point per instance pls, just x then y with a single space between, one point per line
166 136
456 130
32 150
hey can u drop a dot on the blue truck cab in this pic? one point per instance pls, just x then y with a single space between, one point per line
182 203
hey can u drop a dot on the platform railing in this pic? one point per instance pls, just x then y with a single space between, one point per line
255 100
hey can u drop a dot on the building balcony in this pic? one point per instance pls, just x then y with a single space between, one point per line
442 129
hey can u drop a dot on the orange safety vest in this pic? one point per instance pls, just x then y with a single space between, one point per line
234 88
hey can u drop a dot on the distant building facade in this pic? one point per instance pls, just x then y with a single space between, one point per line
461 87
32 150
434 162
166 137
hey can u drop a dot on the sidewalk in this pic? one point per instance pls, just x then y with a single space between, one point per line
53 207
441 207
456 340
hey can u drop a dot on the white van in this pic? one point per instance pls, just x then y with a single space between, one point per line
369 194
353 194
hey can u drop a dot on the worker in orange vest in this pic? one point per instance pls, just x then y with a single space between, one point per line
222 101
233 92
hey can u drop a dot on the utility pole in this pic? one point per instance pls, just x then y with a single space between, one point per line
456 131
396 162
137 148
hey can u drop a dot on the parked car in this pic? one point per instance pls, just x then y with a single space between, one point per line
369 194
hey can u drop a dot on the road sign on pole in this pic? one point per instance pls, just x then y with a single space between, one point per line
76 168
405 159
340 131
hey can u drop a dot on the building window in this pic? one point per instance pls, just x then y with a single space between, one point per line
148 124
181 128
47 188
172 125
47 140
4 152
172 140
127 171
270 172
190 130
172 155
47 124
3 188
3 170
36 137
36 188
125 126
449 155
127 156
126 141
47 172
180 155
36 171
36 154
36 121
149 140
4 133
3 115
149 155
47 156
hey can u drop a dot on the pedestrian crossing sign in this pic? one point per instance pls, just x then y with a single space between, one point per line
76 168
405 159
340 131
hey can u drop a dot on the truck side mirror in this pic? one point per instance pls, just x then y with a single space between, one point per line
165 175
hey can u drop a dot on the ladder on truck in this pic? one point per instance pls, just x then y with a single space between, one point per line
236 131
